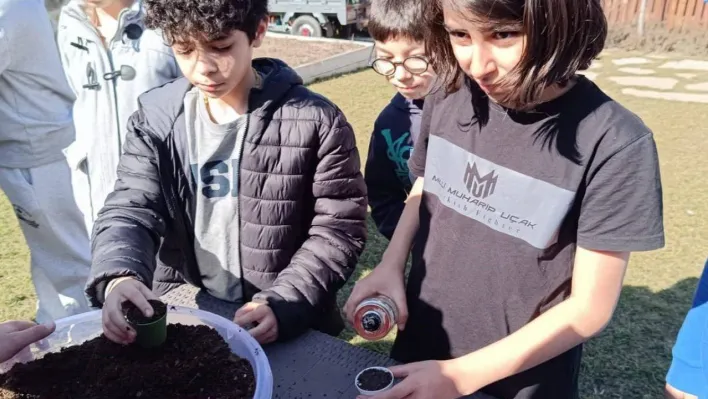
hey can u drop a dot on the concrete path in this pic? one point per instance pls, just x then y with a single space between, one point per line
654 76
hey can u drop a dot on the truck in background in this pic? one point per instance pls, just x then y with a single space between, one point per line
319 18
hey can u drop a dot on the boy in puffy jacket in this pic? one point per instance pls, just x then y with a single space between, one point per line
236 178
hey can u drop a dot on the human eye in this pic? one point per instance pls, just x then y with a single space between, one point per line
458 36
223 48
505 35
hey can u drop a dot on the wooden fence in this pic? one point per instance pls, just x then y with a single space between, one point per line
670 13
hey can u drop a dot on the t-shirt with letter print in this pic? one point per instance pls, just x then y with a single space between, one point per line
214 152
507 199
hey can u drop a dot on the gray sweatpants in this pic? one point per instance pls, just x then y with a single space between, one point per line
53 226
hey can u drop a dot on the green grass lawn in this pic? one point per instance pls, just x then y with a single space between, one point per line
630 359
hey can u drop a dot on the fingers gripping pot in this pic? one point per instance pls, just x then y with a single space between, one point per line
151 331
375 317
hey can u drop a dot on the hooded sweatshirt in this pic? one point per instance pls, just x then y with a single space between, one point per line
387 177
107 80
35 99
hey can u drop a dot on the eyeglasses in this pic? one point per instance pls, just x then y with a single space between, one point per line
415 64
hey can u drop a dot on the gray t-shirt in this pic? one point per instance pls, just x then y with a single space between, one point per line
214 155
508 197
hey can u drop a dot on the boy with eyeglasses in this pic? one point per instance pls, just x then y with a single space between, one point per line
398 32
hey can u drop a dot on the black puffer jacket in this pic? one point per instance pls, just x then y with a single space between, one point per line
302 202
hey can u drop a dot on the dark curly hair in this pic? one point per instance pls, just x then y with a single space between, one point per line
204 20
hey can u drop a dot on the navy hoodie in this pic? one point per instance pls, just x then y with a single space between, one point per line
387 176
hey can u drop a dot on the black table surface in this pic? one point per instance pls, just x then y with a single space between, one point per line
314 365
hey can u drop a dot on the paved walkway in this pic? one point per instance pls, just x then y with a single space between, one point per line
656 77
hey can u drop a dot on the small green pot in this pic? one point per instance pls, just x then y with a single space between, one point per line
151 332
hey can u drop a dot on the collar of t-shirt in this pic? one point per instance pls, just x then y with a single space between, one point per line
213 127
223 128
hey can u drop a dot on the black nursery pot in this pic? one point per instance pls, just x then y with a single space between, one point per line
373 380
151 331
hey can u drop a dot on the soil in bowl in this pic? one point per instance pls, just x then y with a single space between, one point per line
374 379
135 315
194 362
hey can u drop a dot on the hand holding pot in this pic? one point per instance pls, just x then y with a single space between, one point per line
429 379
115 327
383 280
261 316
17 335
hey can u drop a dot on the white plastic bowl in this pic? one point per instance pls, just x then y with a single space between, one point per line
372 393
78 329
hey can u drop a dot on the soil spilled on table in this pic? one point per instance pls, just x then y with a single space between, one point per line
373 380
194 362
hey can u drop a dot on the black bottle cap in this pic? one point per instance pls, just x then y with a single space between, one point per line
371 321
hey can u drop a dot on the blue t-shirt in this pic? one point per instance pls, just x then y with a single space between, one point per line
689 368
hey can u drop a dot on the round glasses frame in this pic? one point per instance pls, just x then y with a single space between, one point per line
417 65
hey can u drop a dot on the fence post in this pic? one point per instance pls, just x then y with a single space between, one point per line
642 17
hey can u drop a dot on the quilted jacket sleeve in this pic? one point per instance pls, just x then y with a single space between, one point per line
127 231
336 239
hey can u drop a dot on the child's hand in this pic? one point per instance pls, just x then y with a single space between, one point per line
673 393
115 326
382 280
430 379
265 325
17 335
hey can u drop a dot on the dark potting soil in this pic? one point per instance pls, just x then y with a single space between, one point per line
194 362
135 315
373 380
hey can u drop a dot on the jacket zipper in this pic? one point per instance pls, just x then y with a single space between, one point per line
239 144
115 100
114 80
105 49
174 211
179 218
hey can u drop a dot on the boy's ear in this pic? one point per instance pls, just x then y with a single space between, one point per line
260 33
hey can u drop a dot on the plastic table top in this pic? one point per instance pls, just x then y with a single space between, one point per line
313 365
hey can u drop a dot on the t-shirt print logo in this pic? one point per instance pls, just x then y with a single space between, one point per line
480 186
520 206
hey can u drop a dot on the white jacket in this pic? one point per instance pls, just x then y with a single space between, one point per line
35 100
107 83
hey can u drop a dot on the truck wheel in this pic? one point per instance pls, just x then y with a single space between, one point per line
306 25
329 29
